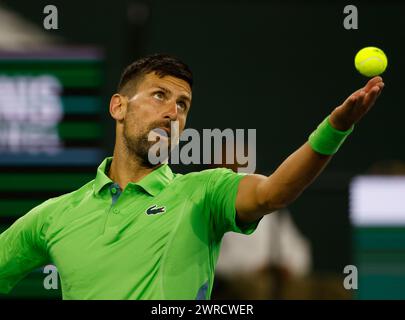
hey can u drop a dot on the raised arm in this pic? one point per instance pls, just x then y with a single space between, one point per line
259 195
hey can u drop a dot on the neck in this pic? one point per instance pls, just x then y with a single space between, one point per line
127 168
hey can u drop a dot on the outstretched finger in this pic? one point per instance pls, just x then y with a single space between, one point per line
360 98
372 96
372 82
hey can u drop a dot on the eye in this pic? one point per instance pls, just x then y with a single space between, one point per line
159 95
182 105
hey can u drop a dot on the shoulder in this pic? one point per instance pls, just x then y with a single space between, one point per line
203 175
57 204
210 177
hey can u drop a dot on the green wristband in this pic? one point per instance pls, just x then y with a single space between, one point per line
326 139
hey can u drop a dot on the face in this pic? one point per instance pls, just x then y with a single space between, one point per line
156 102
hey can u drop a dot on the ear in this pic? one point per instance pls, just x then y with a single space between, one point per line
118 107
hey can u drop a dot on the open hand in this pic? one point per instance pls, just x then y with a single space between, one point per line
356 105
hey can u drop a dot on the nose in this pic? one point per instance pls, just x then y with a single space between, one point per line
171 111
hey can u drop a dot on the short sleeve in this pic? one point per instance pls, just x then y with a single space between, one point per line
22 249
222 190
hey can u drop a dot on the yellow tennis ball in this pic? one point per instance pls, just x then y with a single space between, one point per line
371 61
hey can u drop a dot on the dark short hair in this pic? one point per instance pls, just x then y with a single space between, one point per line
161 64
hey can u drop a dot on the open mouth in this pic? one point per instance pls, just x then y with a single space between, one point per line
167 130
162 133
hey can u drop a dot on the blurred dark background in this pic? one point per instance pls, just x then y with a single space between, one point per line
279 67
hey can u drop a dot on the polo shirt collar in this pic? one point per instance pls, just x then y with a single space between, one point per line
153 183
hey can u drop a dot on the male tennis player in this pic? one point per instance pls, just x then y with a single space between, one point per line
139 231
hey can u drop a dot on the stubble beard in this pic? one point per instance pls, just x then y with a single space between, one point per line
138 147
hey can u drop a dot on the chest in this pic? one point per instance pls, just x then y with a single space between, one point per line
133 233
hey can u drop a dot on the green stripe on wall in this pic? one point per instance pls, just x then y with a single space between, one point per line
80 130
43 182
82 104
71 74
379 254
379 286
17 208
380 259
377 238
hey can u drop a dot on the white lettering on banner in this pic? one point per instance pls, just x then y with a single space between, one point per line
30 110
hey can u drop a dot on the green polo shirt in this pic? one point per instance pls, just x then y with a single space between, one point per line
157 239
